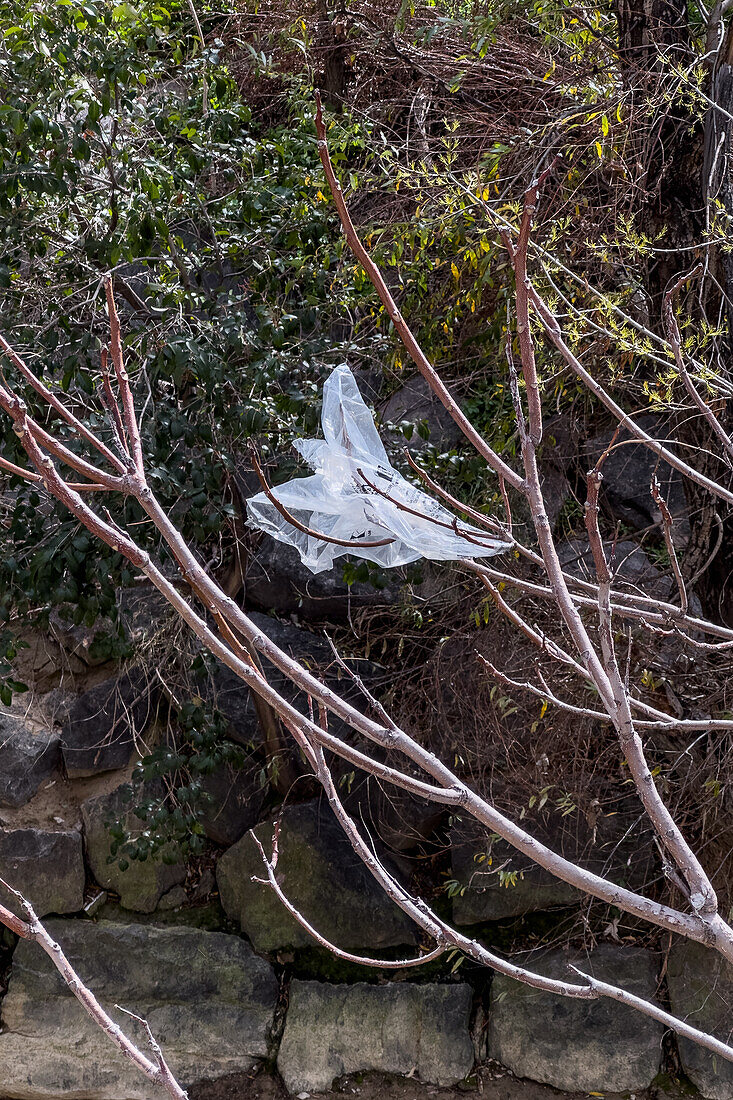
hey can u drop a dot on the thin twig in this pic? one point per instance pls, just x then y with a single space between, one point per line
453 526
669 542
673 335
403 330
123 381
319 535
34 930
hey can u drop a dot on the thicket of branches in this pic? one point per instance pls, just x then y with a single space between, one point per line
605 300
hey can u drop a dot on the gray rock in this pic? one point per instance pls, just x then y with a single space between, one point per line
207 998
99 730
627 475
236 799
321 874
701 992
577 1045
400 820
627 560
401 1028
78 640
143 612
507 886
618 846
47 868
278 581
555 491
174 899
555 459
416 404
225 691
142 884
26 759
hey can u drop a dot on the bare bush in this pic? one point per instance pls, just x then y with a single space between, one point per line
588 646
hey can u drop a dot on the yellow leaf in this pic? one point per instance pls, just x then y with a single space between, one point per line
599 150
604 125
486 193
454 269
320 196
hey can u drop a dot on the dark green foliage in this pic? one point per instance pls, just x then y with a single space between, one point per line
169 813
213 231
8 684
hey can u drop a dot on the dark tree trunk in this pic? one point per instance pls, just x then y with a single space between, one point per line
654 38
678 172
334 70
717 182
647 28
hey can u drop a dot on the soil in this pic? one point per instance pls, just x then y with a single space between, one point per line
490 1082
57 803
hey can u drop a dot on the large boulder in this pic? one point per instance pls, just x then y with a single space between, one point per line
142 883
234 801
701 993
416 1030
100 727
208 999
321 875
278 581
46 867
26 759
494 881
228 694
579 1045
627 473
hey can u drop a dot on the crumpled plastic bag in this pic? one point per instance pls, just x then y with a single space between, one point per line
340 500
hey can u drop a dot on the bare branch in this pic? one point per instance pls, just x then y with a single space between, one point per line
361 960
553 331
679 1026
123 381
58 406
34 930
477 517
416 353
673 335
461 532
301 526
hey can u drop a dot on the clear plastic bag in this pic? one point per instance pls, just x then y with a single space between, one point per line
343 497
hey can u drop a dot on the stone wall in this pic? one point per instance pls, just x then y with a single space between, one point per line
227 980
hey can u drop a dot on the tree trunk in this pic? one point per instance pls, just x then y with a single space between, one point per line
654 38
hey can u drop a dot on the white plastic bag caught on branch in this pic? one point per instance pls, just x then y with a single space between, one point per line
357 498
